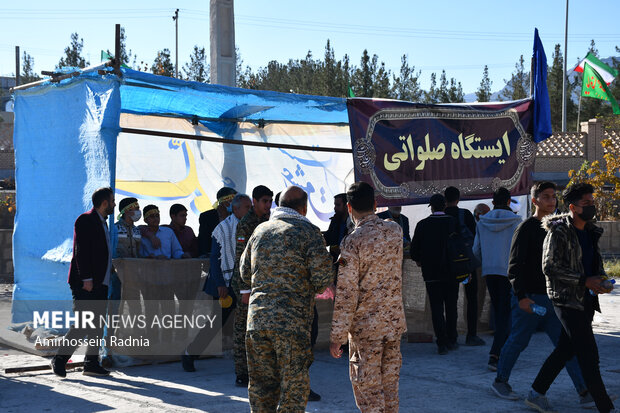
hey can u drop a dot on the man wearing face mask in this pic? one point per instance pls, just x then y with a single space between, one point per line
573 266
211 218
125 240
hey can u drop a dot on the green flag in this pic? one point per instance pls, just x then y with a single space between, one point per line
350 93
105 56
593 86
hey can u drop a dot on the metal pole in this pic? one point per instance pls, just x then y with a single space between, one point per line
176 29
17 66
579 113
564 80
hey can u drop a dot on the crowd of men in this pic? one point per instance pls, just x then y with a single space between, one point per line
268 264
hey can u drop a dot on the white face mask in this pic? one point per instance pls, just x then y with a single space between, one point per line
136 215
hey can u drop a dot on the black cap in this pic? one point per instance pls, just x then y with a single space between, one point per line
438 202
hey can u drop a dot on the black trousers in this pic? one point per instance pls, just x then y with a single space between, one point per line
443 297
207 334
576 339
499 290
94 301
471 294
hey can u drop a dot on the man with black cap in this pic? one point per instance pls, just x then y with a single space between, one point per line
210 219
428 250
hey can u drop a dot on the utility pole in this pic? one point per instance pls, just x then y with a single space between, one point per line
17 66
564 80
176 29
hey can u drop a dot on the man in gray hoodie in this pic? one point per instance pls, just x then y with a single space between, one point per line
492 247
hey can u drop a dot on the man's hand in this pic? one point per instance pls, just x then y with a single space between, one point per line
222 292
594 284
245 298
525 303
88 285
156 242
335 350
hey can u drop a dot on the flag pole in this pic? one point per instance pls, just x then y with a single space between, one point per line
564 94
578 113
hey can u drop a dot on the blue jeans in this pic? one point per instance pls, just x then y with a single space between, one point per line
523 326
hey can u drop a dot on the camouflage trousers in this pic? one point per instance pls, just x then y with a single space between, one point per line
239 353
374 369
278 364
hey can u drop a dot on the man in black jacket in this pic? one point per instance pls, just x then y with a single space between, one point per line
89 276
529 287
573 265
428 250
466 220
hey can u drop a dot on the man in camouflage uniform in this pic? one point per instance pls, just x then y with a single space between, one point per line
286 263
261 200
369 308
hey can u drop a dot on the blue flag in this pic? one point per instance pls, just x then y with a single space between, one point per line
542 108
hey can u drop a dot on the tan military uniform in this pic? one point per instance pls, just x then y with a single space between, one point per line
286 263
369 311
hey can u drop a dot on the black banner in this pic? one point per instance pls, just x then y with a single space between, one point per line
409 151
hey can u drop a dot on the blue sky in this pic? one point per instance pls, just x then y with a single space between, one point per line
458 36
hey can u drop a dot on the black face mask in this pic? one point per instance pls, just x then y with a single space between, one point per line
588 212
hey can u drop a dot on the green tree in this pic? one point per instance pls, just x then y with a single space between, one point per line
443 93
127 57
406 86
27 71
362 77
162 65
197 69
518 87
381 82
455 93
432 95
73 54
483 94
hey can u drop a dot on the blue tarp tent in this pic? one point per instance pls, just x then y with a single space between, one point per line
67 141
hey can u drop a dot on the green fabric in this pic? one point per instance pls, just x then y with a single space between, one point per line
593 86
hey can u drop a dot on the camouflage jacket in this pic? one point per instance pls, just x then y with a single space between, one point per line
369 302
562 263
287 263
245 228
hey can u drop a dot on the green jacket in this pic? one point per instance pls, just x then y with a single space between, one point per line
562 261
286 263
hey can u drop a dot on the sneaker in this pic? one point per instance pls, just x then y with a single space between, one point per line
442 350
187 362
474 341
452 346
59 366
314 397
587 402
94 369
503 390
493 363
539 403
242 381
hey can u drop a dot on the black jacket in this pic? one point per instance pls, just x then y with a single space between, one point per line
429 246
90 251
525 265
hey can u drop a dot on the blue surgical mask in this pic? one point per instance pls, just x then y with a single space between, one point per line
229 209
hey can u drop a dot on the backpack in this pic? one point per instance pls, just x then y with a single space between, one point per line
468 238
459 263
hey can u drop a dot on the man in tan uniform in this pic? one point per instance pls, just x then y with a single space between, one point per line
369 306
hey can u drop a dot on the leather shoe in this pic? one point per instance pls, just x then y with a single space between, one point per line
314 397
188 363
94 369
58 365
